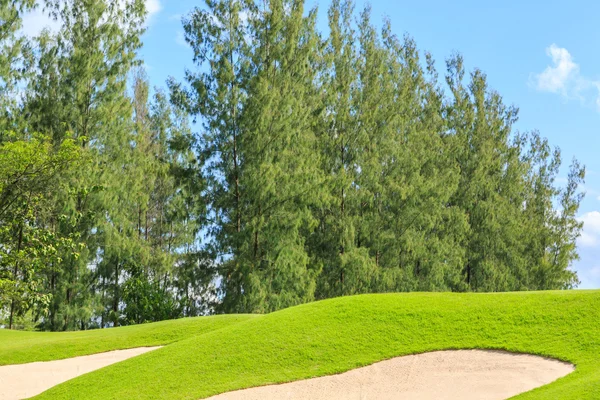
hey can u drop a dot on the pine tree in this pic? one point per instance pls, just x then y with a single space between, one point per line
217 35
283 180
80 92
15 60
324 166
341 142
160 283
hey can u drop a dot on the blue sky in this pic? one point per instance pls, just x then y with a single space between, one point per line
539 55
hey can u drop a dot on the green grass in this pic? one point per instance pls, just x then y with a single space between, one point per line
22 347
337 335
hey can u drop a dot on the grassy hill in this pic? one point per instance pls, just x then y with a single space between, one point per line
18 347
337 335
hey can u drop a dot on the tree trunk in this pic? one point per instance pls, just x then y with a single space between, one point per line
102 302
139 222
469 274
342 212
235 142
256 235
15 271
116 295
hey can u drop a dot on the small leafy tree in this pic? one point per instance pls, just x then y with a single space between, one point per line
28 245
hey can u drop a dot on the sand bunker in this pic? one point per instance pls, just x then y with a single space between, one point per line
27 380
463 374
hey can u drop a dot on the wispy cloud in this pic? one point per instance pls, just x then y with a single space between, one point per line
180 39
153 7
590 237
564 77
558 77
34 22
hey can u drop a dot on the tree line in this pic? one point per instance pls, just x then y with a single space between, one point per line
289 166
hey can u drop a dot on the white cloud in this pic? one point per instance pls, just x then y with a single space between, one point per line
590 237
587 240
564 77
556 78
153 7
35 21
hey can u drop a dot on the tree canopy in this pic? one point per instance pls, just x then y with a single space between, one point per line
289 166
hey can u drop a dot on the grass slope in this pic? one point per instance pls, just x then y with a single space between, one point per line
341 334
22 347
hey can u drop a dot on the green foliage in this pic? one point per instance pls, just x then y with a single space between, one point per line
135 198
80 89
30 166
29 172
325 165
146 301
334 336
15 58
259 149
346 152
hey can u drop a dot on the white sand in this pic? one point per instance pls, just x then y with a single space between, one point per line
27 380
464 375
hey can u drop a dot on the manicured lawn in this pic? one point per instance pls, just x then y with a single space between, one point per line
341 334
23 347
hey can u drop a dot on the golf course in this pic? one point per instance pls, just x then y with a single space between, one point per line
206 356
299 200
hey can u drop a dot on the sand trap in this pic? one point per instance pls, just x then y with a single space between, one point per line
463 374
27 380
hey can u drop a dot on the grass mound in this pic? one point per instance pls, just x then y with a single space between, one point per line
337 335
23 347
